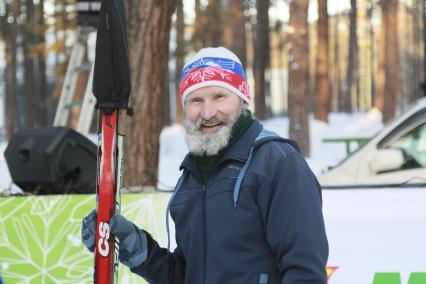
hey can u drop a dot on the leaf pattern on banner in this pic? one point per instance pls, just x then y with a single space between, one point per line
40 238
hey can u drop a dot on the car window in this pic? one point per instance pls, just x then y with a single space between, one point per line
414 119
413 143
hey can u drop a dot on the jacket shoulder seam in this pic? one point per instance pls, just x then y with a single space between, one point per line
286 152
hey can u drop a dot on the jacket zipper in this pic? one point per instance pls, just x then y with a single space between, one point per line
204 232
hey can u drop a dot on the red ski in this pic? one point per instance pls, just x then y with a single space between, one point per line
108 196
111 87
105 197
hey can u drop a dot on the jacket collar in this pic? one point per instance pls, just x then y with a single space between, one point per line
239 151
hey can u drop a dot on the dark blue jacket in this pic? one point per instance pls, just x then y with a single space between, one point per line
274 234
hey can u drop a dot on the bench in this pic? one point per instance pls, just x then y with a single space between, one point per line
347 141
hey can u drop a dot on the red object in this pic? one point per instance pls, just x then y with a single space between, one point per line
105 260
214 73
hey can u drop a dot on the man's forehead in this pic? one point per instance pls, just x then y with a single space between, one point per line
209 91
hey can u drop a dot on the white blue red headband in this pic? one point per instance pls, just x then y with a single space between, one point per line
214 67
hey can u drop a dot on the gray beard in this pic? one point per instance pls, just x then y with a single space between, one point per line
209 144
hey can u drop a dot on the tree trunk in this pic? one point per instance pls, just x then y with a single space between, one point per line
416 56
391 64
335 104
423 3
387 79
373 50
41 97
298 74
350 89
261 59
235 33
213 29
180 56
322 98
149 31
381 74
198 36
64 25
28 45
166 100
10 72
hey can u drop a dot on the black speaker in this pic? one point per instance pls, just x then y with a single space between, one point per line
52 160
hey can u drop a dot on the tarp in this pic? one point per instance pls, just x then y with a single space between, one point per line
111 79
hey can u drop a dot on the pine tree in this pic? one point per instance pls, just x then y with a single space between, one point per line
388 79
298 75
149 25
179 55
322 97
261 57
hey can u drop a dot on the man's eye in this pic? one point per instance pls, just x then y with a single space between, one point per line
195 100
220 96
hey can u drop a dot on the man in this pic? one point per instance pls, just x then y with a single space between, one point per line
247 208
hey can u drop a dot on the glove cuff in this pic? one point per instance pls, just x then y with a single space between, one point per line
142 254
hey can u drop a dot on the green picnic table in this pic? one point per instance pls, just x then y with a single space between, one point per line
347 141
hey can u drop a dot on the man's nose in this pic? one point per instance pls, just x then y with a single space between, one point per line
208 111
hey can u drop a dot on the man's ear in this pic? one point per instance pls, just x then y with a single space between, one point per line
245 104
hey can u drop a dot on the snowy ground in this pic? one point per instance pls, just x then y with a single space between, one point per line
173 149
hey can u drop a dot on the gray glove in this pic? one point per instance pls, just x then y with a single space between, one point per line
133 246
133 241
88 229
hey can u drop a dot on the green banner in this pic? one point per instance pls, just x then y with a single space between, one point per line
40 238
395 278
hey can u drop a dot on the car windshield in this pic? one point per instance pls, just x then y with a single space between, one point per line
414 144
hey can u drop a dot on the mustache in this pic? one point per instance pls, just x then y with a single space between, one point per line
211 121
194 127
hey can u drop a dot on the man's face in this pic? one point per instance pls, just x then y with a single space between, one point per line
210 113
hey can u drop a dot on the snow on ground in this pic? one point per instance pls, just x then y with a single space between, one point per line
323 155
5 179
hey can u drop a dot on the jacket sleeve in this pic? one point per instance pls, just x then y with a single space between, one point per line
162 266
291 207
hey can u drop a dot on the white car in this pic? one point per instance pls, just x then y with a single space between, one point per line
396 156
